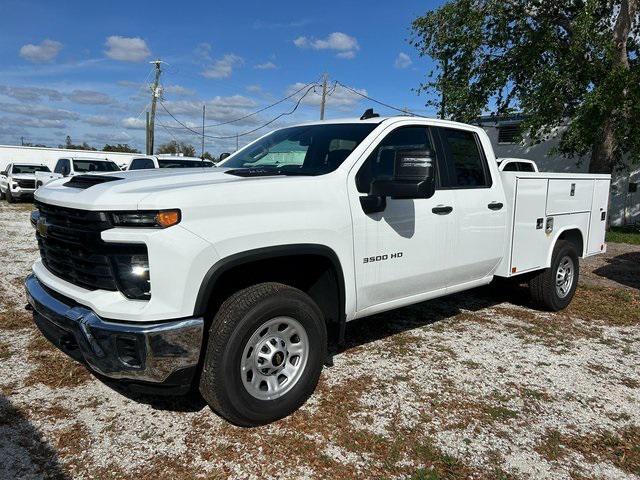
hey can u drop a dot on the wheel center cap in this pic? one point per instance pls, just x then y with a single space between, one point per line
278 358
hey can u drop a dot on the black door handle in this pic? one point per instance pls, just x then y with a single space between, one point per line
442 210
495 206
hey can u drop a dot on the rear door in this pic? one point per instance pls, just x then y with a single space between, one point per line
478 235
400 253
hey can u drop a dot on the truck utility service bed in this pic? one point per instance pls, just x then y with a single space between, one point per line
544 205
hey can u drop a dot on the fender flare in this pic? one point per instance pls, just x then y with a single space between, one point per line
555 241
227 263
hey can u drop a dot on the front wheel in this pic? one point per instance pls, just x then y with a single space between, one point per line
2 195
265 352
10 197
554 287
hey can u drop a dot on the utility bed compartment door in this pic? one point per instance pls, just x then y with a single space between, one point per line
569 196
530 242
599 213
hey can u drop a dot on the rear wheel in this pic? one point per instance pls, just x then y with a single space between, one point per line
266 348
554 287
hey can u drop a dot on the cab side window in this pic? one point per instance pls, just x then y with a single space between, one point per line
379 165
62 167
465 159
141 164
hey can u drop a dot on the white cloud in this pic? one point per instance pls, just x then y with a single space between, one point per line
133 123
126 49
223 67
344 44
30 94
403 60
89 97
339 96
39 111
179 90
46 51
219 109
266 66
254 88
99 120
34 122
109 137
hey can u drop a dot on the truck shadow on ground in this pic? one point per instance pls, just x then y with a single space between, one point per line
24 452
370 329
377 327
623 269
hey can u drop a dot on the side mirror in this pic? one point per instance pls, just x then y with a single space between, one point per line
223 156
413 177
4 172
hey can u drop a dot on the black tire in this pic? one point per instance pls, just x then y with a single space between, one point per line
10 198
2 195
543 286
233 327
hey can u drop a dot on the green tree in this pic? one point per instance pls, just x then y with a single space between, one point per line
566 62
208 156
120 147
68 144
173 147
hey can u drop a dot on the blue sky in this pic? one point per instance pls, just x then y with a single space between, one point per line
82 68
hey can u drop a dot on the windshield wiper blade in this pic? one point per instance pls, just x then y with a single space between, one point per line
265 172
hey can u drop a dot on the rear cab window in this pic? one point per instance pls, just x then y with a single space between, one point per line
83 166
141 164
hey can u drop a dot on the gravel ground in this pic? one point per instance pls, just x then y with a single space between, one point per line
478 385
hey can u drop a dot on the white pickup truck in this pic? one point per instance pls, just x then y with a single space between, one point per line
18 180
68 167
238 280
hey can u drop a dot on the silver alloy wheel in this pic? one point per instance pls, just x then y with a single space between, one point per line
274 358
564 276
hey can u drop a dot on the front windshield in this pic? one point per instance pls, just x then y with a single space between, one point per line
17 169
172 163
94 166
304 150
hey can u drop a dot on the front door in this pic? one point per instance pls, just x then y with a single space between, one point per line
400 253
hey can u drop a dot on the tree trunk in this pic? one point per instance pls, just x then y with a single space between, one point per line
604 153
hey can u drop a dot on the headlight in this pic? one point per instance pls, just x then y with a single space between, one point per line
132 274
147 219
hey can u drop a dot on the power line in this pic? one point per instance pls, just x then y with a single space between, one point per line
261 110
402 110
243 133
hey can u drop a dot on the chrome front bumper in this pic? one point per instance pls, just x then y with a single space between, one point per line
159 353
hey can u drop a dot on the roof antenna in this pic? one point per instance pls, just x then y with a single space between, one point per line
369 113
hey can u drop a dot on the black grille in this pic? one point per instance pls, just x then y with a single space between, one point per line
25 183
71 247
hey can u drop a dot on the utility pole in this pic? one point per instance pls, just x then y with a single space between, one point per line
155 93
147 132
22 141
203 110
324 95
237 143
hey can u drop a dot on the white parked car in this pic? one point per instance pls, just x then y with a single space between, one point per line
68 167
168 161
18 180
240 280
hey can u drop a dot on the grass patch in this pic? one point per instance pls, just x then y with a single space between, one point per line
14 319
4 351
612 306
624 235
52 367
621 448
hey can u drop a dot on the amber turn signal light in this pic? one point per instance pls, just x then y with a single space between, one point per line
168 218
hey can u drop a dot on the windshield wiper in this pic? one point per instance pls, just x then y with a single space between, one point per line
265 172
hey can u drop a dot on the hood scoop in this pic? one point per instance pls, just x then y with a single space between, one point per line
86 181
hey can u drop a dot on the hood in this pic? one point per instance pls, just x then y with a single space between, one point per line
23 176
131 188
